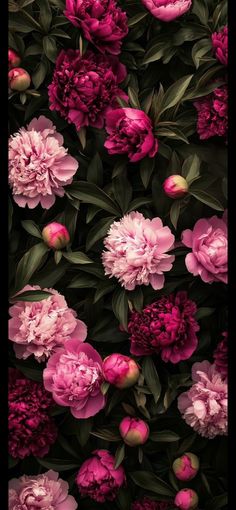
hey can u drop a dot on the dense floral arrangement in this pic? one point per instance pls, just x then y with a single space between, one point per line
118 254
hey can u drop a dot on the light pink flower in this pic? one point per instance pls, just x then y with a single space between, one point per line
186 467
40 327
39 166
136 251
74 376
134 431
204 405
45 492
186 499
120 370
167 10
209 243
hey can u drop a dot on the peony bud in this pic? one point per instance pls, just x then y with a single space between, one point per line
120 370
56 235
186 467
186 499
13 59
18 79
175 186
134 431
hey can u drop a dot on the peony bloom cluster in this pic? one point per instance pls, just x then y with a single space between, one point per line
98 479
74 376
136 251
166 327
130 132
103 23
39 166
31 430
213 113
45 492
40 327
220 45
221 356
150 504
85 87
209 255
204 405
167 10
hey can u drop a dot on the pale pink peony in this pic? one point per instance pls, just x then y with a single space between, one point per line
121 371
209 243
204 405
220 45
39 165
74 376
134 431
98 479
40 327
186 499
45 492
136 251
167 10
186 467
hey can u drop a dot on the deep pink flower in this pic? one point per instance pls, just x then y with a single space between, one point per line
98 479
14 59
85 87
221 356
186 499
31 430
209 255
175 186
220 45
213 113
136 251
186 467
134 431
39 166
102 22
167 10
40 327
56 235
150 504
204 405
74 376
130 132
167 326
121 371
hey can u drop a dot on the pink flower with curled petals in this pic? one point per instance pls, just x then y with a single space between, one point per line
220 45
167 10
212 112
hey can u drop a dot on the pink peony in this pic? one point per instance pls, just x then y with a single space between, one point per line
120 370
221 356
186 467
213 113
40 327
175 186
204 405
167 10
102 22
150 504
209 255
31 429
39 166
85 87
74 376
45 491
134 431
56 235
14 59
136 251
98 479
18 79
220 45
186 499
130 132
167 326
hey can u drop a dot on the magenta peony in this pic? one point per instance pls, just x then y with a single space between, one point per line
136 251
166 327
130 132
220 45
31 430
121 371
18 79
175 186
98 479
213 113
45 492
85 87
221 356
56 235
102 22
74 376
39 166
209 255
204 405
167 10
13 59
40 327
186 499
133 431
150 504
186 467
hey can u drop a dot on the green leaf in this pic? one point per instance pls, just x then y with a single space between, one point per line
95 170
191 168
120 306
58 464
200 8
138 202
99 230
151 377
30 373
45 16
123 499
133 98
136 298
28 264
217 502
65 444
103 289
186 444
82 136
119 455
151 482
57 32
39 74
84 429
155 52
175 212
174 133
175 92
204 311
34 49
31 295
206 198
77 257
31 227
147 166
82 282
122 190
106 434
92 194
135 19
200 49
50 48
164 436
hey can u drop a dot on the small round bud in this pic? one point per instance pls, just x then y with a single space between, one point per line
186 467
18 79
121 371
56 235
175 186
13 59
134 431
186 499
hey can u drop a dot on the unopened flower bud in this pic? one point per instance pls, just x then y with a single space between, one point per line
186 467
121 371
186 499
13 59
134 431
175 186
56 235
18 79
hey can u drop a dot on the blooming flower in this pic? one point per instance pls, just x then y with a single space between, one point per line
220 45
31 429
213 113
221 356
85 87
186 499
134 431
74 376
167 10
209 256
120 370
18 79
130 132
102 22
167 326
136 251
98 479
150 504
175 186
56 235
40 327
186 467
204 405
39 166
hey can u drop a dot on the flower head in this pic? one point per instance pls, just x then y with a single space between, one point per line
56 235
120 370
175 186
133 431
186 499
167 10
213 113
18 79
150 504
186 467
13 59
221 356
220 45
